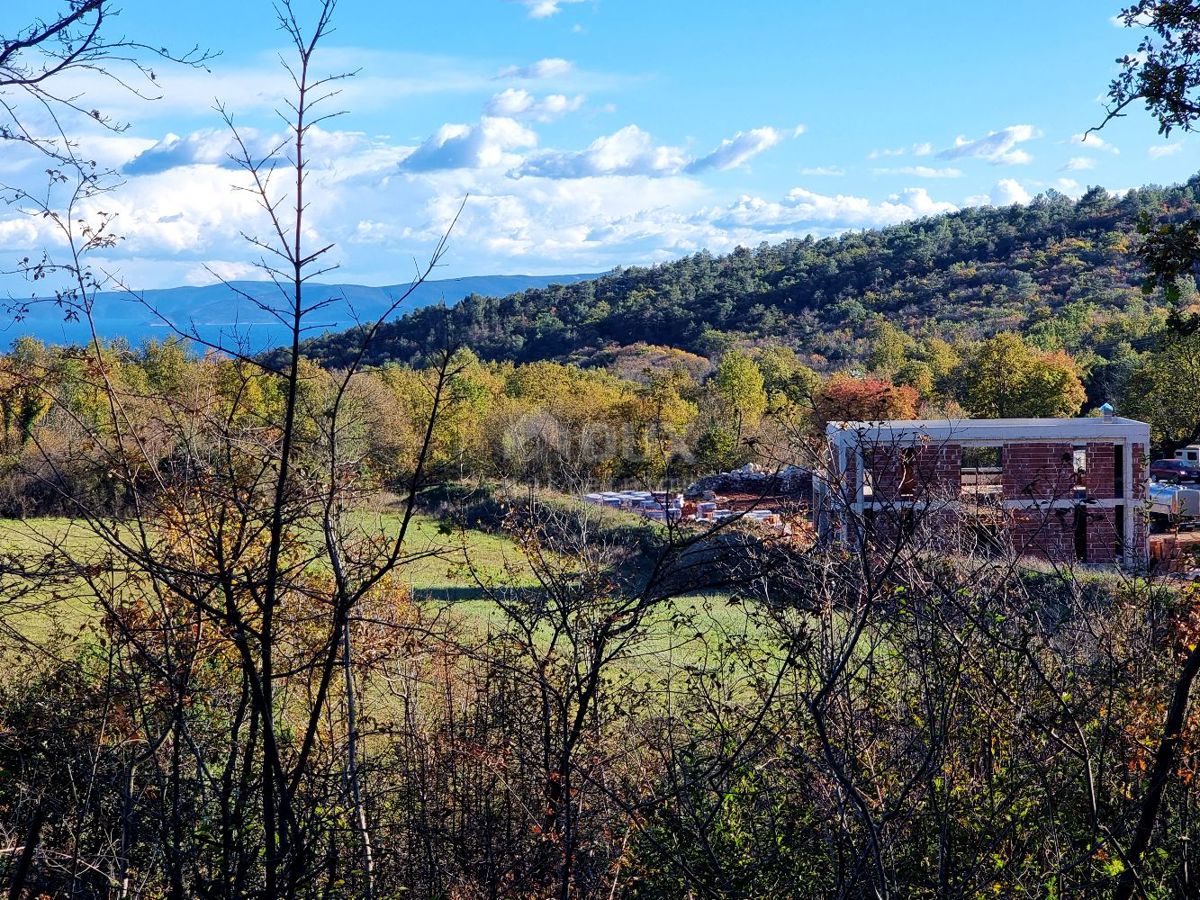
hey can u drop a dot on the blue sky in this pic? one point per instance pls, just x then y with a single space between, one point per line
595 133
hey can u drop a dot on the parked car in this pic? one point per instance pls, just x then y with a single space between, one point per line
1175 470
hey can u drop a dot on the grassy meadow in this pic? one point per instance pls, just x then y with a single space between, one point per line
437 572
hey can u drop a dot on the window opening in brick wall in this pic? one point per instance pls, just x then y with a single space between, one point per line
1079 466
981 472
1119 470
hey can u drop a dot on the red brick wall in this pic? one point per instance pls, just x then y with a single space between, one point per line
1138 455
1100 478
1042 471
935 471
917 527
1101 534
1048 533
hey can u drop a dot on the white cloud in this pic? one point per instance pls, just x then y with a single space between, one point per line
636 206
222 270
347 151
802 209
624 199
485 145
553 67
633 152
19 233
824 171
629 151
517 103
921 149
1092 141
737 150
996 146
210 146
1009 191
921 172
1070 187
1079 164
544 9
1164 150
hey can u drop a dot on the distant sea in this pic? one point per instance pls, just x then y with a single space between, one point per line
217 313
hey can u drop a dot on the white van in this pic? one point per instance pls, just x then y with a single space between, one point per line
1189 454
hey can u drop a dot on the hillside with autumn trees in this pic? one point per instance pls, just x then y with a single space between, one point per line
1039 309
1059 269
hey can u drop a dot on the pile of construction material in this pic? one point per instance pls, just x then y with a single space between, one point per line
663 506
715 508
793 482
657 505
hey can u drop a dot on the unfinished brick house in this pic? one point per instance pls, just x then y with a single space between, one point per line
1060 489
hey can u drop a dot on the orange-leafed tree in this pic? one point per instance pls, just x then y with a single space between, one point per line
844 398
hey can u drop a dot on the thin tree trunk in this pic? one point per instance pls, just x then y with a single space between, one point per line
1164 763
352 773
25 864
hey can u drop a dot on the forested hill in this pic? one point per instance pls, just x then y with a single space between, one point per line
962 275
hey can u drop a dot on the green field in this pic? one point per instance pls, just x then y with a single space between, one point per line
437 569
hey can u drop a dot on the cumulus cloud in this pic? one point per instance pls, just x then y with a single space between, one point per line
222 270
921 171
1164 150
553 67
544 9
377 208
485 145
1079 164
183 214
632 151
629 151
517 103
218 147
824 171
996 146
801 209
207 147
19 233
737 150
1092 141
1006 192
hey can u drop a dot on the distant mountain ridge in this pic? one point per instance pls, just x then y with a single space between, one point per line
217 311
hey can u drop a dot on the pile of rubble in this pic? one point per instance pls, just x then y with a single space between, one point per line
792 482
